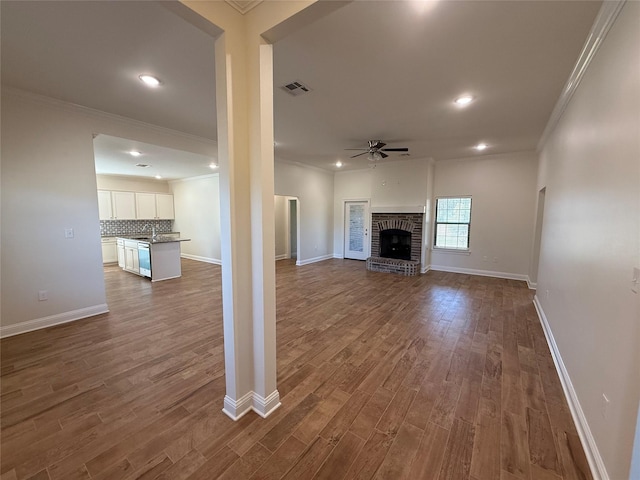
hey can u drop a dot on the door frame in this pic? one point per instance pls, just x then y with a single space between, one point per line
289 199
344 225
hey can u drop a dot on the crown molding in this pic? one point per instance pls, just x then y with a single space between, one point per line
601 26
304 165
74 107
243 6
190 179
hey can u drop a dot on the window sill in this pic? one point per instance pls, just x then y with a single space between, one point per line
454 251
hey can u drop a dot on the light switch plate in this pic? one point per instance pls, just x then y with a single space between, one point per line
636 280
68 233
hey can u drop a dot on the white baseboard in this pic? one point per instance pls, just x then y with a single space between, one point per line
425 269
598 469
314 260
284 256
198 258
236 409
338 256
44 322
265 406
482 273
531 285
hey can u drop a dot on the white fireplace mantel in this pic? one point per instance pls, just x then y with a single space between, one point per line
404 209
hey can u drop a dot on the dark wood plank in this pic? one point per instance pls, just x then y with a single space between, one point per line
362 358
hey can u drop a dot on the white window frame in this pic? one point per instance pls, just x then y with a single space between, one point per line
436 223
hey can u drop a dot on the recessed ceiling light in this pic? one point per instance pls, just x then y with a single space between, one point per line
338 164
213 166
463 100
481 146
135 153
149 80
158 177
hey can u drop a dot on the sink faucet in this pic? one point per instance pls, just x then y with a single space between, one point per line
153 229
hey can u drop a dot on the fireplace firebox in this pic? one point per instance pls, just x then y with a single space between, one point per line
395 243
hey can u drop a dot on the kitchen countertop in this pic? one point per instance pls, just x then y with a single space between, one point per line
157 239
136 235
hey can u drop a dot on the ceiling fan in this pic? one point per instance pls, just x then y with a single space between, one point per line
375 151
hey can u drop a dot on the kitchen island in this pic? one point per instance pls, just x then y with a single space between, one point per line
155 257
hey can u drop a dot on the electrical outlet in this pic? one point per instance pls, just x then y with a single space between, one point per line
68 233
636 280
604 406
43 295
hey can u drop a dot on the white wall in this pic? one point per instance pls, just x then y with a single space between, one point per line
502 212
281 230
402 183
590 167
132 184
314 189
197 210
49 184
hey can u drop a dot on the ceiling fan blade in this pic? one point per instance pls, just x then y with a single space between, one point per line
376 144
363 153
357 149
384 155
400 149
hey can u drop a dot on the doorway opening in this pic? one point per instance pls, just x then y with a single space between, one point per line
287 233
537 241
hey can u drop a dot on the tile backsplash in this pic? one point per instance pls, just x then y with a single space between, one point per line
110 228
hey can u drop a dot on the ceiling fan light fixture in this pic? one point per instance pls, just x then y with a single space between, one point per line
375 157
463 100
150 80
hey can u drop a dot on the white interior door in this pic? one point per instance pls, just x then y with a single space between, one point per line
356 230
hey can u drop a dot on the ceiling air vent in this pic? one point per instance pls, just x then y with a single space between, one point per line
142 165
296 88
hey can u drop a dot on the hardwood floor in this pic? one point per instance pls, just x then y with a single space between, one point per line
441 376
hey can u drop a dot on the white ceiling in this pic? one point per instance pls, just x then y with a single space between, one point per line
113 157
385 70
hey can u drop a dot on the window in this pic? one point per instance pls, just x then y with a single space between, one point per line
453 218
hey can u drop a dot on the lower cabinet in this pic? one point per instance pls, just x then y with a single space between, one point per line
131 262
120 249
109 252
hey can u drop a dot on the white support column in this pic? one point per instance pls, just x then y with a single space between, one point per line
244 96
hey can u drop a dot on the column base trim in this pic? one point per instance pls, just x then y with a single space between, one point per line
263 406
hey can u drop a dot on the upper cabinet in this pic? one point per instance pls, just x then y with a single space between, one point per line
116 205
154 206
104 205
164 206
124 205
146 205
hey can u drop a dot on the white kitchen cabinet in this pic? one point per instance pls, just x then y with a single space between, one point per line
120 249
164 206
104 205
109 250
123 205
131 260
154 206
145 206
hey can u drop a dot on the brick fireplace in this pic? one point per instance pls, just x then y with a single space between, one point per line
400 226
